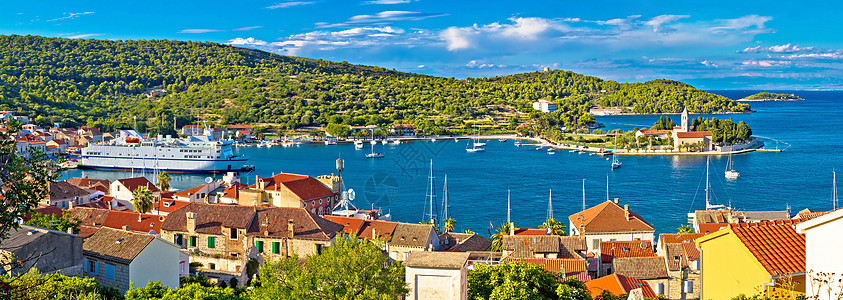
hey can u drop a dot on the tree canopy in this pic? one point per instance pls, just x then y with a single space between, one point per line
519 280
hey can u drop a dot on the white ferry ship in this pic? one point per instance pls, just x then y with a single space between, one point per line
193 154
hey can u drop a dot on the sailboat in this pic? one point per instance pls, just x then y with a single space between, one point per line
476 146
374 154
615 162
358 145
708 205
477 142
730 169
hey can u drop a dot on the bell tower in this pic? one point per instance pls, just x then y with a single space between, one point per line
686 126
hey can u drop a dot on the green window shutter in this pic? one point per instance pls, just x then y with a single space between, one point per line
212 242
193 241
276 247
259 246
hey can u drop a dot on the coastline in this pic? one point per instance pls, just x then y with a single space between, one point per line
662 114
769 100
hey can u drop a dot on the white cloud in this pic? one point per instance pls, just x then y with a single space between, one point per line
68 16
382 18
250 41
420 66
765 63
708 63
84 35
199 30
290 4
247 28
387 1
786 48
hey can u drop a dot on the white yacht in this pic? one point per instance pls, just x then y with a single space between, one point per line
193 154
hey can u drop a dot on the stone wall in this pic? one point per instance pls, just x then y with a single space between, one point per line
121 273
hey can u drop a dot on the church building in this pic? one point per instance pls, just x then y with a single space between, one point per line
683 136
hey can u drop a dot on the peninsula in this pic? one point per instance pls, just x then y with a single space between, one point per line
766 96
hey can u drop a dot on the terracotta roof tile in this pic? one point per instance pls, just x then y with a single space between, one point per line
383 229
691 251
693 134
707 228
89 182
530 231
89 216
655 131
63 189
188 192
670 238
621 249
609 217
116 245
618 285
529 245
305 187
134 183
776 245
643 268
438 260
169 205
233 191
148 223
210 218
571 267
471 242
675 257
50 210
411 235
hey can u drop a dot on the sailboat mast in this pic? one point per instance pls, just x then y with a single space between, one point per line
707 203
550 205
508 208
607 187
834 189
431 196
583 194
445 200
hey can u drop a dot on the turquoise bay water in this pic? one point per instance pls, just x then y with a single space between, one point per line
661 189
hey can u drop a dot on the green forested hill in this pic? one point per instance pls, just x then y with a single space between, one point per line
101 83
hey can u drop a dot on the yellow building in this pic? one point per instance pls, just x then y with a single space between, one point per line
764 258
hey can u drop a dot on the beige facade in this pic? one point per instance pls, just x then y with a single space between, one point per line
437 275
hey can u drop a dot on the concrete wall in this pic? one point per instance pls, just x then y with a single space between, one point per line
729 269
159 261
49 253
429 283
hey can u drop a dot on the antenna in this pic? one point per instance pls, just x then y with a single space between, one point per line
583 194
607 186
550 205
834 189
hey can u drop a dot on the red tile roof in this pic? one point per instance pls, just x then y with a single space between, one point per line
693 134
148 222
169 205
530 245
211 218
609 217
691 251
51 210
351 226
273 222
530 231
654 131
305 187
776 245
618 249
383 230
706 228
618 285
571 267
669 238
188 192
101 185
134 183
63 190
238 126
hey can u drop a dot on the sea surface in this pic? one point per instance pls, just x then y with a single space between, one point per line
661 189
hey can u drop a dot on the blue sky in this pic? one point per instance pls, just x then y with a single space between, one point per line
710 44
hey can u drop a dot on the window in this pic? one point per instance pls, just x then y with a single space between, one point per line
212 242
276 247
232 233
595 243
318 249
178 239
92 267
193 241
659 288
696 264
259 246
109 271
212 266
687 287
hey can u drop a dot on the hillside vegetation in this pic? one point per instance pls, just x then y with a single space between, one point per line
772 96
101 83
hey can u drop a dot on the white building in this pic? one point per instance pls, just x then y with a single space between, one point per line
822 246
609 221
437 275
544 106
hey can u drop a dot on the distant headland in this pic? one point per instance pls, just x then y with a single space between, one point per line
765 96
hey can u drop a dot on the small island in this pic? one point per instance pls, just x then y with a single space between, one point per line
765 96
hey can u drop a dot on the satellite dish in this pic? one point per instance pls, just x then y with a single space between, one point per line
351 194
644 245
209 180
344 195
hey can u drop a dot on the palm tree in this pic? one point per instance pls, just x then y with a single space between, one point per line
556 227
449 224
164 180
141 199
685 229
497 238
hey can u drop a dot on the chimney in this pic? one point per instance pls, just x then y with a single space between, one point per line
617 200
191 222
70 230
257 182
70 204
126 227
626 211
291 227
511 228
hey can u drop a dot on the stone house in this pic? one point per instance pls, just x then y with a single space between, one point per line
409 238
197 194
463 242
611 250
651 270
437 275
683 264
65 195
609 221
543 246
290 190
280 232
48 251
101 185
117 258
